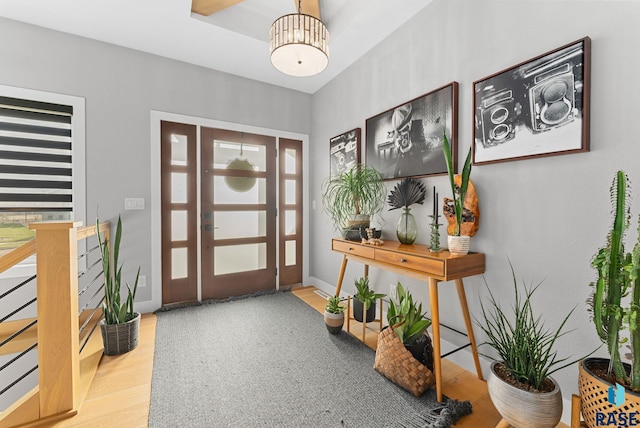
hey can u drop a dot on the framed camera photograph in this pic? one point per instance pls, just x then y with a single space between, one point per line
406 141
537 108
344 150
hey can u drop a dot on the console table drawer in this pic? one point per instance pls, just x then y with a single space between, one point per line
422 264
353 248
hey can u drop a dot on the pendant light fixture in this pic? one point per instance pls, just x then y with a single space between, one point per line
299 44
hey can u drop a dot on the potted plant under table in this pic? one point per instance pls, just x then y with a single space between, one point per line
364 302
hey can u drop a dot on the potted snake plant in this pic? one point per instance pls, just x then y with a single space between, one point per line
120 324
458 242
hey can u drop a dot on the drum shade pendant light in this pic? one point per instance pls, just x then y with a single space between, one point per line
299 44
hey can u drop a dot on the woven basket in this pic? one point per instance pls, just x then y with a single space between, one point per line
397 364
120 338
594 394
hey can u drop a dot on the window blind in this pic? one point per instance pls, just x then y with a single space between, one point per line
35 156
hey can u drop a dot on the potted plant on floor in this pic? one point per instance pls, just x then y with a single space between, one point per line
365 300
460 210
334 315
404 354
615 303
120 324
406 193
520 383
353 198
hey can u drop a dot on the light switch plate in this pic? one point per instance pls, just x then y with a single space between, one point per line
133 203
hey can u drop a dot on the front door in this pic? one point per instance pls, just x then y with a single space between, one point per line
238 213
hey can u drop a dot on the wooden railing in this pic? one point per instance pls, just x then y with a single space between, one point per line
64 374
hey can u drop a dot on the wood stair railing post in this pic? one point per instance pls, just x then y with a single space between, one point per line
58 341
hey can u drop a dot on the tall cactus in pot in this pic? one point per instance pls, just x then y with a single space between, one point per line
617 276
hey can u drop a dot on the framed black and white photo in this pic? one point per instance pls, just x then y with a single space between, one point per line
344 150
537 108
406 141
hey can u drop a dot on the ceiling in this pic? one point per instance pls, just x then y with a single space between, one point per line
234 40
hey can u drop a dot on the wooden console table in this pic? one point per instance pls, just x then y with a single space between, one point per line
416 261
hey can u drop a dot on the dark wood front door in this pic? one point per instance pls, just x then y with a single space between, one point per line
238 213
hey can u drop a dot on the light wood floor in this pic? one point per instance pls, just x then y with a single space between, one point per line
121 391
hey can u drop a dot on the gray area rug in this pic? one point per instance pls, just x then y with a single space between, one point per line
268 361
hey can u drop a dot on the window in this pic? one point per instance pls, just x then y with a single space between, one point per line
41 161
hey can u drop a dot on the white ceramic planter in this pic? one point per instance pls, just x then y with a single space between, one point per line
523 409
458 245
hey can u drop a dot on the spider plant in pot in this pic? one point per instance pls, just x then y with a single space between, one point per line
353 198
520 383
413 331
334 315
120 324
407 192
458 242
615 307
365 300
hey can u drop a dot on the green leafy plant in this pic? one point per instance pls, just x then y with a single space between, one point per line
115 311
359 191
459 193
365 294
407 192
524 344
334 306
617 277
405 309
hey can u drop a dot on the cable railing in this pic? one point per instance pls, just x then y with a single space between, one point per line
68 291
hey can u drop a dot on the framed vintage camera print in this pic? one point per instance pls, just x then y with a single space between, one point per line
344 150
537 108
406 141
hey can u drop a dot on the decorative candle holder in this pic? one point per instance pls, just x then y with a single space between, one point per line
435 234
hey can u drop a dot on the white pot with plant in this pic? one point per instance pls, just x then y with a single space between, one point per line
120 324
454 209
520 383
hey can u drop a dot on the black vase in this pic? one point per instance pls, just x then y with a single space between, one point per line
358 309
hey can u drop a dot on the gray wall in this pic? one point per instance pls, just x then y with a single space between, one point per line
121 86
547 215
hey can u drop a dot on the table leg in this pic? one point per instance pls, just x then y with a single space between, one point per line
467 320
343 268
435 328
366 271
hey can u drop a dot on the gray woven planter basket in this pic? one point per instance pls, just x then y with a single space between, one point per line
120 338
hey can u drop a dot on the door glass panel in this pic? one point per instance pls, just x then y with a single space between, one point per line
290 195
178 225
179 263
290 161
226 153
290 222
225 195
239 224
178 150
239 258
290 253
178 188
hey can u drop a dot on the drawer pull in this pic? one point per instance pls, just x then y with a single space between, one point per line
350 248
403 260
